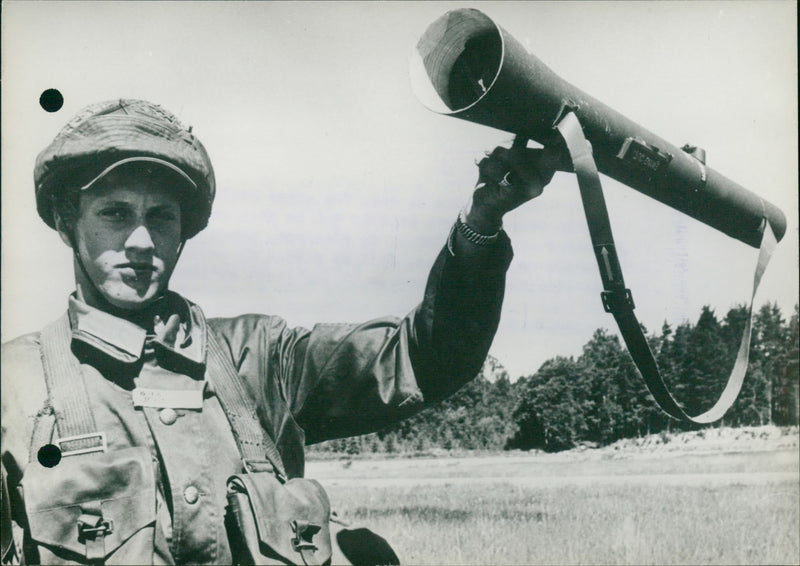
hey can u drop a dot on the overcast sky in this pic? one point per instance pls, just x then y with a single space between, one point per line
337 188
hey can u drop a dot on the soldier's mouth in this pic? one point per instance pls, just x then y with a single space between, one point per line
136 266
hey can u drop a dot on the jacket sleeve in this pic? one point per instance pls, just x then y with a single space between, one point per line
347 379
7 550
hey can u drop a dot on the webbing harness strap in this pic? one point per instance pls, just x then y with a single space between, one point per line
617 298
253 441
75 421
77 431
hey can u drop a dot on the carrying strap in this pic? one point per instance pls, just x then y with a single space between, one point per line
617 298
74 421
253 441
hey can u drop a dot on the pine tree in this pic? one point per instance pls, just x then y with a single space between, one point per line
605 387
549 412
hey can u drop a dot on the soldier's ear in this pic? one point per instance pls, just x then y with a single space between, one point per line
64 230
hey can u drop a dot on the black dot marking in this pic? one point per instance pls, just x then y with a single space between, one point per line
49 455
51 100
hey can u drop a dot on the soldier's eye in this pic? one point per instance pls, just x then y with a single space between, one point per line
114 213
163 216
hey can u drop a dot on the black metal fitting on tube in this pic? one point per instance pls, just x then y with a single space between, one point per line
468 67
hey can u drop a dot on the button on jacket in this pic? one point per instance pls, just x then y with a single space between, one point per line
168 502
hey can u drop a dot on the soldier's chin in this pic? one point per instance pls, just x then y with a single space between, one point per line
131 299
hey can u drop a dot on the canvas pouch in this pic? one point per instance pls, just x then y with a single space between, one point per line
96 508
270 522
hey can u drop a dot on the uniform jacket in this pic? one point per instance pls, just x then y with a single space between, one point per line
166 488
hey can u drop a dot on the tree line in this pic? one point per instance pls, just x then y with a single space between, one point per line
599 397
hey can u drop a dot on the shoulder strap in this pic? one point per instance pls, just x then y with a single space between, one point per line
77 431
253 441
617 298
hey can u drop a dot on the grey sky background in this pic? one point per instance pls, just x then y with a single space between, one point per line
337 188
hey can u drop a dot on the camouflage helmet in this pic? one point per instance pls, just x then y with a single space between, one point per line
110 134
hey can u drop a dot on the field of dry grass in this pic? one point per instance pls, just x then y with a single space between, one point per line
720 498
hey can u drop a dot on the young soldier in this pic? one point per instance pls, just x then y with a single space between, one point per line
136 431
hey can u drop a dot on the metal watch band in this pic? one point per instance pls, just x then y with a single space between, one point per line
471 235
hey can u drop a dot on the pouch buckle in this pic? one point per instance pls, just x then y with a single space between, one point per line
92 527
83 444
303 534
92 531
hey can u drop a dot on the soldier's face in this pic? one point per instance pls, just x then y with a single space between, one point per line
128 235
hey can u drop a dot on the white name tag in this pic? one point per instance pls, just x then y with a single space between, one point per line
168 398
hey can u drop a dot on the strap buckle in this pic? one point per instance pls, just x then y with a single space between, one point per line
92 531
617 300
82 444
252 466
303 534
92 527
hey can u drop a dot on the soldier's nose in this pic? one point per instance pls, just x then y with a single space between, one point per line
139 239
